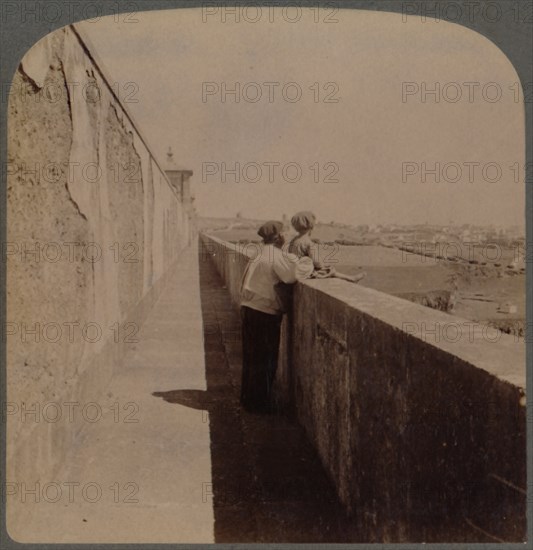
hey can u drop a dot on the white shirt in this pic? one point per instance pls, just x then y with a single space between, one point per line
272 266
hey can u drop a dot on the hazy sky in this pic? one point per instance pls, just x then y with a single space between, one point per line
367 136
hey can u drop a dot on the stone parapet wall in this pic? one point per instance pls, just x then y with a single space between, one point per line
418 416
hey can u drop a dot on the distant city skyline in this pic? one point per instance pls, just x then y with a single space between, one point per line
451 224
389 148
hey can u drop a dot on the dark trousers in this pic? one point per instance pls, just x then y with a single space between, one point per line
260 348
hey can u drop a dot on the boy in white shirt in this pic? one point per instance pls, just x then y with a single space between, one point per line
261 314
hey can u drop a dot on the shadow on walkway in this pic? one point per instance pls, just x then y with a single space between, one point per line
267 482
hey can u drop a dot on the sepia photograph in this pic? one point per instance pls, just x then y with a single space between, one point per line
265 272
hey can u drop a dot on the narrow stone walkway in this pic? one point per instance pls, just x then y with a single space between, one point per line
150 460
267 482
180 462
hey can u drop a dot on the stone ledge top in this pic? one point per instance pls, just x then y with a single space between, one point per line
501 355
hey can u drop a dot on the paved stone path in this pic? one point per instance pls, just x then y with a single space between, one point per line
201 469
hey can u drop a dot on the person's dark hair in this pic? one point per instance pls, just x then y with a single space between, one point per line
270 231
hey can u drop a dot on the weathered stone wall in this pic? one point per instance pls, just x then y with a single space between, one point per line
93 230
418 416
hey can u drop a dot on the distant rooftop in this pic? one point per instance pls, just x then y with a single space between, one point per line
170 164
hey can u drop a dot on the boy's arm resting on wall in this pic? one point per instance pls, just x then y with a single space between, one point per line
290 269
304 268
